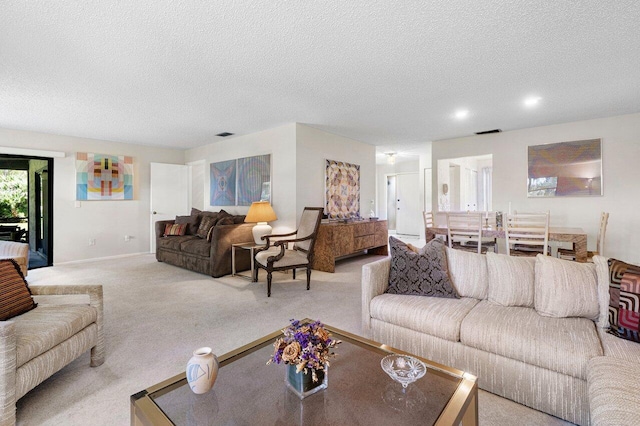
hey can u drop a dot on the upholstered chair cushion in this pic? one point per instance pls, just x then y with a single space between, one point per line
307 227
419 274
468 273
564 288
15 296
511 279
290 258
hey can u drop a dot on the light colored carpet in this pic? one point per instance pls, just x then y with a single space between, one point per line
157 314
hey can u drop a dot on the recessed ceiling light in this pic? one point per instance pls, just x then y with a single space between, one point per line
461 114
532 101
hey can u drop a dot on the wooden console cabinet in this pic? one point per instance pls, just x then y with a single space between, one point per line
336 240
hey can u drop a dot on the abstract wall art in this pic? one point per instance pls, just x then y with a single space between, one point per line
253 174
103 177
223 183
565 169
342 185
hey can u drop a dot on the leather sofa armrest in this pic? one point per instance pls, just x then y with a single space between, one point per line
375 280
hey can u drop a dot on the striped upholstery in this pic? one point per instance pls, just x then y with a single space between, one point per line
616 347
16 251
511 279
438 316
35 345
15 298
613 392
564 345
469 273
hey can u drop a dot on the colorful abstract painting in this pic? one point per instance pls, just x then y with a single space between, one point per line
342 184
223 183
103 177
253 174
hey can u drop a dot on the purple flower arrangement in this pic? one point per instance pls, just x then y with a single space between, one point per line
305 345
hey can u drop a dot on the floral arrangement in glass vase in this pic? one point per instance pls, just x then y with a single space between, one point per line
308 346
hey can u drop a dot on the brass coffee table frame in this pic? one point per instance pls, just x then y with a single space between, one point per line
462 408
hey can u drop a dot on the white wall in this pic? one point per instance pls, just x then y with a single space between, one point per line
280 142
621 177
105 221
314 147
382 170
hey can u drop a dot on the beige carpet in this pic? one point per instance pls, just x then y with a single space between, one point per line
157 314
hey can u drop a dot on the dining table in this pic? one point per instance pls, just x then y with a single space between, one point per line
577 236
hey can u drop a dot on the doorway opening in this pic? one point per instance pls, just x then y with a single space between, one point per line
403 203
26 205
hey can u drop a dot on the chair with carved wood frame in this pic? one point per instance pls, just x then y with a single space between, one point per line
275 256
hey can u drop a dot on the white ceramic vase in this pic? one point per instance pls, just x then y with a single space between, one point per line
202 370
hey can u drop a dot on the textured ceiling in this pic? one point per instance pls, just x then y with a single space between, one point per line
176 73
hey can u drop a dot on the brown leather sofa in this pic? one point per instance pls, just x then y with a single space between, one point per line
212 255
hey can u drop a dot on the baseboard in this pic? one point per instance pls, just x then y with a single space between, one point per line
94 259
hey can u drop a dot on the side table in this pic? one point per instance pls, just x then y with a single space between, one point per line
251 246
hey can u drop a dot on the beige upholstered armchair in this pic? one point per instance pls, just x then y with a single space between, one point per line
40 342
16 251
275 256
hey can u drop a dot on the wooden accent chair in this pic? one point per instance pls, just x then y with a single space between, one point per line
464 232
527 234
570 254
275 256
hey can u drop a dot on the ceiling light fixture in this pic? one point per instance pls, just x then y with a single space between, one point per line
391 157
461 114
224 134
532 101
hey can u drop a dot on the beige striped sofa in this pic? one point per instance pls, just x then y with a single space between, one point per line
16 251
42 341
568 367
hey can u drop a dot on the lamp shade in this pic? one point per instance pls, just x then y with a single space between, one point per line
260 211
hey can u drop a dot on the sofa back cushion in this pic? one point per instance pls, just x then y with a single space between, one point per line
469 274
15 296
564 288
192 223
421 273
511 279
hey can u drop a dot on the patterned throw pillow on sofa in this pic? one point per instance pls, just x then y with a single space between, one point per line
206 223
424 273
175 229
15 296
617 270
629 311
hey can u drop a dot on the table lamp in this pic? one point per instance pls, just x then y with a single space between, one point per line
260 212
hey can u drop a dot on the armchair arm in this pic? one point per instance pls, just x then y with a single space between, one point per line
7 372
375 280
160 225
95 299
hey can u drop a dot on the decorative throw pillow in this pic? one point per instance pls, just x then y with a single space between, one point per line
228 220
564 288
206 223
423 274
192 223
175 229
629 313
511 279
468 272
617 269
15 296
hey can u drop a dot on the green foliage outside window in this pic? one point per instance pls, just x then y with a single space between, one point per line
13 193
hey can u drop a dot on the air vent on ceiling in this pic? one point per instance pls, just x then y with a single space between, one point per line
224 134
488 131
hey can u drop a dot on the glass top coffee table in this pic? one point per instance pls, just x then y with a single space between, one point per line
249 392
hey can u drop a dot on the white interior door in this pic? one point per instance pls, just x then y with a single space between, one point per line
408 217
169 194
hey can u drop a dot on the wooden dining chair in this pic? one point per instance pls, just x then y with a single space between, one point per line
570 254
527 234
464 231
